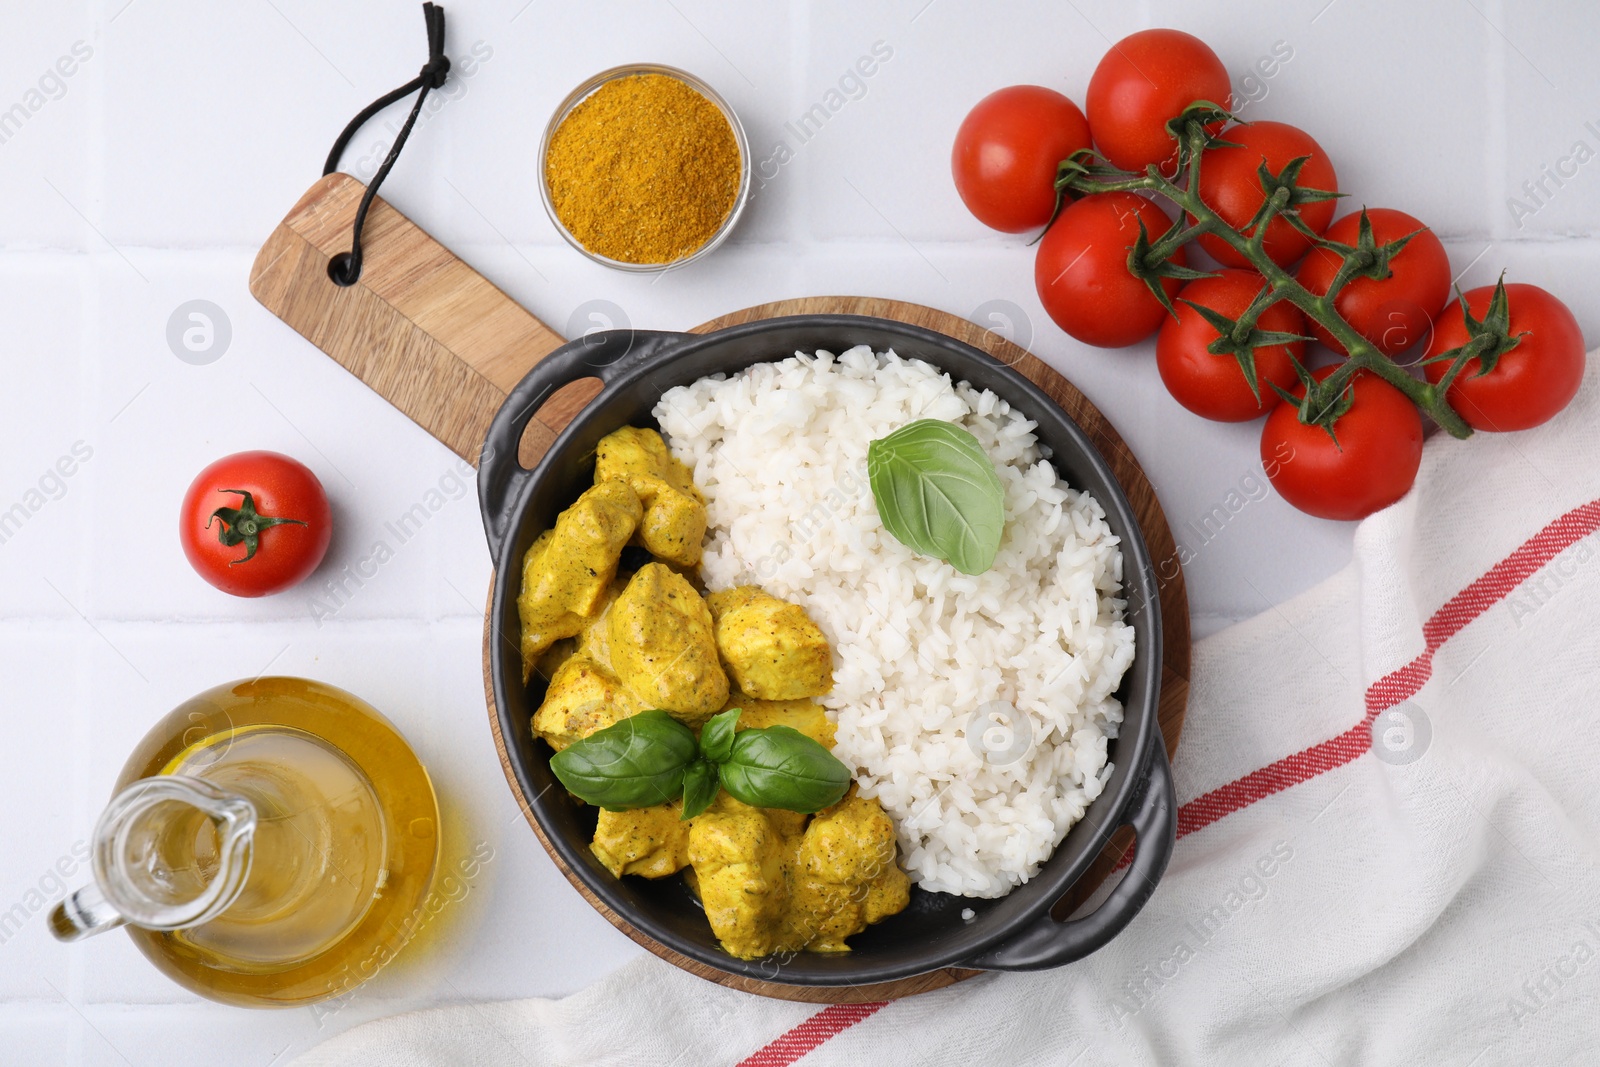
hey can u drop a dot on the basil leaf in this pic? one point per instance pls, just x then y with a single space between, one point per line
780 767
699 788
937 492
635 763
716 736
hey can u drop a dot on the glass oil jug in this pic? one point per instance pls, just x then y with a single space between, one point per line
270 843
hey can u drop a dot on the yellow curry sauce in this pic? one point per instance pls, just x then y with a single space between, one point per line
773 649
612 646
674 522
566 572
662 646
772 881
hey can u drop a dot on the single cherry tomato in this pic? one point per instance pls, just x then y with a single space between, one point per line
1144 82
1530 383
255 523
1230 185
1082 275
1393 313
1372 463
1006 151
1213 385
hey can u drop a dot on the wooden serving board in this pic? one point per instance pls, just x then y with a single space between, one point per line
445 346
431 335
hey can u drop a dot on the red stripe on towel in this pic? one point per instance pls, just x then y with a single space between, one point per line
811 1033
1486 591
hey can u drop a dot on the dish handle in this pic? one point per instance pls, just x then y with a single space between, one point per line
1048 943
605 355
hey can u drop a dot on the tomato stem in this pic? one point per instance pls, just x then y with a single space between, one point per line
243 525
1196 218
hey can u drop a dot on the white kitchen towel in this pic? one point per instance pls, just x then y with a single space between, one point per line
1389 851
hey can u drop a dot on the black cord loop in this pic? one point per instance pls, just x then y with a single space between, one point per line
346 268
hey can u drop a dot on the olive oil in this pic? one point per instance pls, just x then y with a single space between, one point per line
343 854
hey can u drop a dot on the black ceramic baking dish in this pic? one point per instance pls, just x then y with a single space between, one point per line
1015 932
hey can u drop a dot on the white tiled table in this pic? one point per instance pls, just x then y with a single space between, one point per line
187 128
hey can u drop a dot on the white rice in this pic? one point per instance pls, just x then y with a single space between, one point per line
922 652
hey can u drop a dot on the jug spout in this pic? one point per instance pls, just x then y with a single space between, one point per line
169 852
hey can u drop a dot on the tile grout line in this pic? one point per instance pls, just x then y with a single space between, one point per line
48 625
964 246
90 385
799 66
1496 178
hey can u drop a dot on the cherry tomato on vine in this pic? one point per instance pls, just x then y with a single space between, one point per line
1213 385
1530 383
1081 270
1145 81
1372 464
1231 186
255 523
1006 151
1393 313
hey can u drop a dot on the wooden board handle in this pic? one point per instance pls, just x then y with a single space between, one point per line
431 335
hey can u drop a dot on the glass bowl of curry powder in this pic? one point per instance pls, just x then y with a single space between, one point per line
644 168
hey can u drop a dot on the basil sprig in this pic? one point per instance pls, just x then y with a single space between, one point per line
652 758
937 492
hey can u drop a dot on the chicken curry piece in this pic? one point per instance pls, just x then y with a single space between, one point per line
661 643
771 647
844 878
566 572
807 716
741 865
772 882
674 522
650 842
584 696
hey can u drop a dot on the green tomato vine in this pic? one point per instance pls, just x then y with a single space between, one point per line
1150 260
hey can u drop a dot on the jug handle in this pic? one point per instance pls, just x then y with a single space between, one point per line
84 913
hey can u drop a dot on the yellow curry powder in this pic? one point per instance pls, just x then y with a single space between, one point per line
644 170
